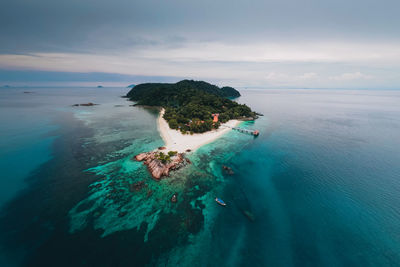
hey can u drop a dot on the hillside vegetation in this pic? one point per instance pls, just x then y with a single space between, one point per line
189 105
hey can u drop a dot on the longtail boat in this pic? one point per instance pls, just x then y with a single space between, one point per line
220 201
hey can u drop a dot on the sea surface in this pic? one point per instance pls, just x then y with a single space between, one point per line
320 186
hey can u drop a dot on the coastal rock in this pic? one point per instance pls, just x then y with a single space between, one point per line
247 118
141 156
158 168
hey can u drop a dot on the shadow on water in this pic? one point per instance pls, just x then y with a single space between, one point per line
35 226
35 214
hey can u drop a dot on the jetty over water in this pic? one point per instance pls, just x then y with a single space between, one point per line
246 131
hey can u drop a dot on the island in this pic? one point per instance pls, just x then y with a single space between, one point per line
192 114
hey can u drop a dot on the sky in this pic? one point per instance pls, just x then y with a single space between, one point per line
246 44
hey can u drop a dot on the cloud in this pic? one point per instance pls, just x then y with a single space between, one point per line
308 76
351 76
273 76
187 53
262 65
262 43
78 26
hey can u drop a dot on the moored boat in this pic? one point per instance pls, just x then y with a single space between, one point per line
220 201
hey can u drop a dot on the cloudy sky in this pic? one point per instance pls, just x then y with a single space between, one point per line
248 44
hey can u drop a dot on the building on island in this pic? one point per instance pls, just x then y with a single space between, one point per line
215 117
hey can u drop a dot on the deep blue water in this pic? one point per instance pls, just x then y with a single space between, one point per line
321 182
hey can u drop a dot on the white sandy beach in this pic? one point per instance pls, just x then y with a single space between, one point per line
176 141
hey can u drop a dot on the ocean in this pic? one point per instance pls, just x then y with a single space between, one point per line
319 186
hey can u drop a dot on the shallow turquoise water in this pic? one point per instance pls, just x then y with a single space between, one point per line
320 183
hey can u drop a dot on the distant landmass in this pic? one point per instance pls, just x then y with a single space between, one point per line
99 86
192 106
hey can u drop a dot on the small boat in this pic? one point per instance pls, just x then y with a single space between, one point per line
174 198
220 201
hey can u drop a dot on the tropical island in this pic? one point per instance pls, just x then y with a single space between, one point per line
192 114
192 106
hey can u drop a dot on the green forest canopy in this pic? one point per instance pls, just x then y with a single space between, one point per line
189 105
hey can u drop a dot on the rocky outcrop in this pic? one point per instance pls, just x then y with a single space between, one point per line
158 168
141 156
228 170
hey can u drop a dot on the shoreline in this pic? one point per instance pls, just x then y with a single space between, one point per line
174 140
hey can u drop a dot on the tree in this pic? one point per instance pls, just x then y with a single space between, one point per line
173 124
172 153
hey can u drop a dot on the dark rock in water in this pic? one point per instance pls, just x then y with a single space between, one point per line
122 214
136 186
118 106
159 168
188 150
174 198
228 170
85 104
162 148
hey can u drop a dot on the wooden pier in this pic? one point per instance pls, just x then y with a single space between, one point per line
242 130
